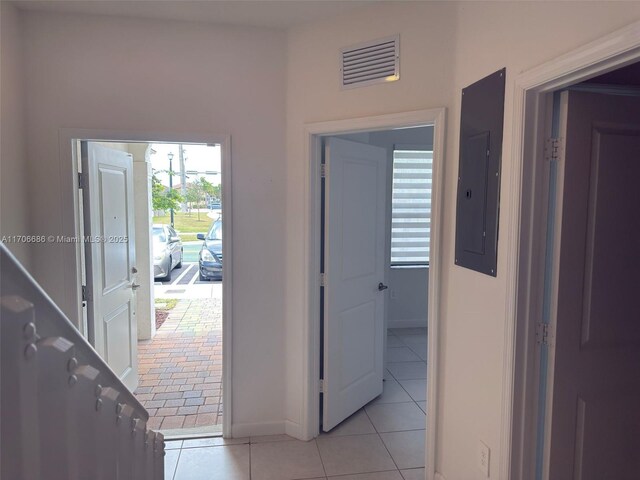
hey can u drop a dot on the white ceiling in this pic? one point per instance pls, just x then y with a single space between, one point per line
279 14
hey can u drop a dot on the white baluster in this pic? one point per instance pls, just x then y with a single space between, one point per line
86 421
159 456
20 457
106 403
149 456
138 432
58 446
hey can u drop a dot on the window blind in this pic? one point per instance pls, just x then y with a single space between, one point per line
411 207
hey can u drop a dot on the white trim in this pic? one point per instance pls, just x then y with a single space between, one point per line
68 166
531 89
411 323
257 429
227 284
311 368
293 429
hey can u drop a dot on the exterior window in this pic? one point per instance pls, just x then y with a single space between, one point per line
411 207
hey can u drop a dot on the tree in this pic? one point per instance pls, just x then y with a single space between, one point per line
197 192
207 187
192 196
217 193
162 198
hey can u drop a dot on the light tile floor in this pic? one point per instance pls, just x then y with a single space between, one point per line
382 441
181 368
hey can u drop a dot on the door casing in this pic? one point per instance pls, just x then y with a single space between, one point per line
532 106
314 132
72 227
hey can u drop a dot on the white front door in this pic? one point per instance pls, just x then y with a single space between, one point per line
110 258
595 417
355 209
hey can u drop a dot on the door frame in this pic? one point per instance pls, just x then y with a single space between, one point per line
311 359
525 241
72 221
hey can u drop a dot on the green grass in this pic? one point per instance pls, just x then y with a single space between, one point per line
166 303
187 224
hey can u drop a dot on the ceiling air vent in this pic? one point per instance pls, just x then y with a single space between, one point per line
372 62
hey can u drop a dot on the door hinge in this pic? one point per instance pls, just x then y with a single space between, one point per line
81 181
323 170
84 293
322 279
321 385
544 334
553 149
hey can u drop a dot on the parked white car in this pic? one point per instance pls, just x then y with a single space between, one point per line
167 251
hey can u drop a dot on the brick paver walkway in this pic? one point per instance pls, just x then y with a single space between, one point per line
181 368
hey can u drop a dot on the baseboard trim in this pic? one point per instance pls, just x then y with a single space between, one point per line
239 430
293 429
416 323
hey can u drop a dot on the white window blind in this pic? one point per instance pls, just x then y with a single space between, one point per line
411 207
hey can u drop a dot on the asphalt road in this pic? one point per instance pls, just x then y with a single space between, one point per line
187 274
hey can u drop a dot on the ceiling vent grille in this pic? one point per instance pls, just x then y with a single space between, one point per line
372 62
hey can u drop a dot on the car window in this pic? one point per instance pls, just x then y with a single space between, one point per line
159 235
216 231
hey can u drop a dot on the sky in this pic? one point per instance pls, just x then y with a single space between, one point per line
198 158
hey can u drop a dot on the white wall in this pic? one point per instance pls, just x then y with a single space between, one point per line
408 300
14 198
444 47
156 76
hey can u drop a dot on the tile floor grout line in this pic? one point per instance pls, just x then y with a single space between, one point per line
382 441
175 470
320 455
390 456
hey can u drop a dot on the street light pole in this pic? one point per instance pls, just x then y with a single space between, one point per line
183 178
170 155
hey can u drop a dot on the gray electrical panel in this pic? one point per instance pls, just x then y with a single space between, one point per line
478 202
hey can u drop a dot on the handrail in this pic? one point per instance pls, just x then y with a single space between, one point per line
65 414
15 280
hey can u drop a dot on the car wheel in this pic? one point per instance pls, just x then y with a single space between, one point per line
179 264
168 276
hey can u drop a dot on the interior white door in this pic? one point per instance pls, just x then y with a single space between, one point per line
354 267
110 258
595 418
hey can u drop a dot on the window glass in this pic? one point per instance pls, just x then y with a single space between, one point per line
411 207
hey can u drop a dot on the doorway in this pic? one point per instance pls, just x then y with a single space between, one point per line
572 398
362 210
178 331
590 344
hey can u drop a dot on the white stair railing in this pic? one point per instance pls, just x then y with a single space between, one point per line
65 415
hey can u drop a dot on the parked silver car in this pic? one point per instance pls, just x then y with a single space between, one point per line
167 251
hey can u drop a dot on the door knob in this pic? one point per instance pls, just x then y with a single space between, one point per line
382 286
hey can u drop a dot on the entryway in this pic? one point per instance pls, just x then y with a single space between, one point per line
167 344
577 342
374 223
